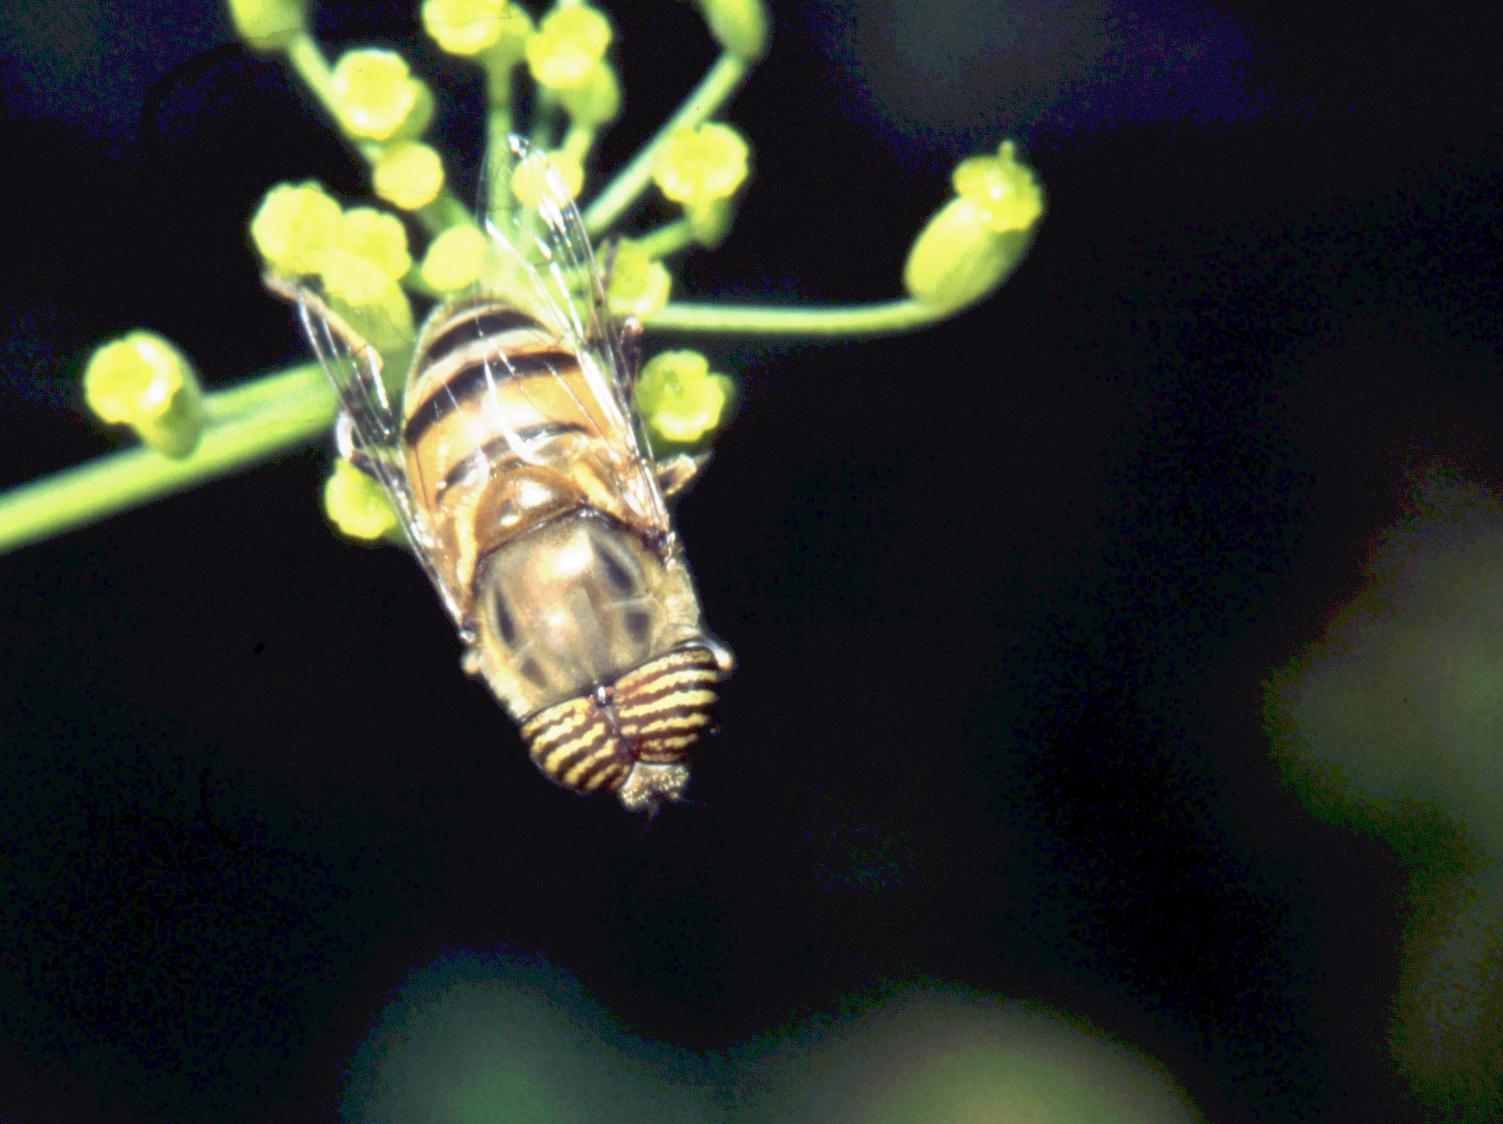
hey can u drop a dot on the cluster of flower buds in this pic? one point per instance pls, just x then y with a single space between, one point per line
367 266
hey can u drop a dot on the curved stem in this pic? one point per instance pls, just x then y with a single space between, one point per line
833 320
667 239
713 91
248 424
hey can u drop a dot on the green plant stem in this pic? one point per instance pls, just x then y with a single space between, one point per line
496 160
667 239
248 424
268 391
713 91
832 320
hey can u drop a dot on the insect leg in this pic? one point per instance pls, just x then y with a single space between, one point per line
677 472
347 444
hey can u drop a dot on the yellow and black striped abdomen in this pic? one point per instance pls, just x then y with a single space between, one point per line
504 426
650 716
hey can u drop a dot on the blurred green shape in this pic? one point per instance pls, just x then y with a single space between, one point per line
1392 725
943 1056
478 1038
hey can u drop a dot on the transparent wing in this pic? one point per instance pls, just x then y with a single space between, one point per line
548 267
355 368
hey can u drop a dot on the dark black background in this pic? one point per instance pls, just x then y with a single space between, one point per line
1003 593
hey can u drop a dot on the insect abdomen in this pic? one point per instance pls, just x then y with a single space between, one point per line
652 715
492 400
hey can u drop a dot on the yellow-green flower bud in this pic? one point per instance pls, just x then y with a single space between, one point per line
375 94
595 101
145 382
639 286
680 398
531 176
408 174
356 504
740 26
1005 192
378 238
468 27
454 259
294 225
567 45
269 25
702 164
958 258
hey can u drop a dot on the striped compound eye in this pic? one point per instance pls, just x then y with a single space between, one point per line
632 736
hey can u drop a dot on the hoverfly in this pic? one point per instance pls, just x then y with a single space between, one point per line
522 478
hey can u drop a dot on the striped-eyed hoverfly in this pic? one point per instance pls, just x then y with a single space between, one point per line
522 477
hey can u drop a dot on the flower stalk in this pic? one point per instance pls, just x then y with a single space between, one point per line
695 160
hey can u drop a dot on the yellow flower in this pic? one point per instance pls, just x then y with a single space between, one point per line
408 174
269 25
1005 193
467 27
531 177
375 93
681 399
455 259
596 100
639 285
143 381
740 26
567 45
378 238
294 225
703 164
356 504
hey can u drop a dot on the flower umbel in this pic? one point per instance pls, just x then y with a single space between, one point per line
363 261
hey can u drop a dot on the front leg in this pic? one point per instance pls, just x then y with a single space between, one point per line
677 472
